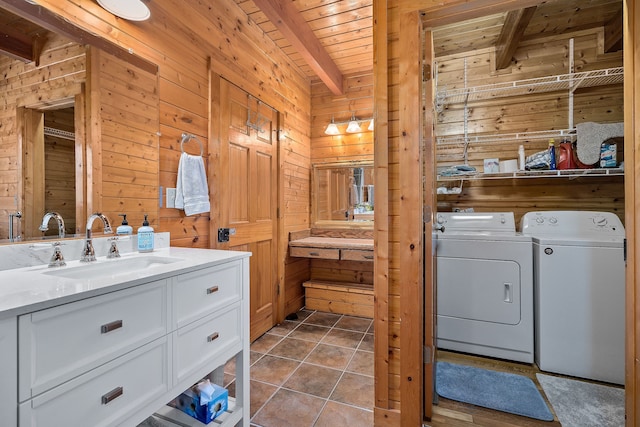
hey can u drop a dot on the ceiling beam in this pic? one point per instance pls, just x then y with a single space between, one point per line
15 45
613 34
289 21
513 29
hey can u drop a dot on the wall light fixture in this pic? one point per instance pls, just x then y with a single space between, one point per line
353 125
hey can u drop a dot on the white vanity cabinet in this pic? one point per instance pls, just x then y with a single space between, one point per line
8 371
115 359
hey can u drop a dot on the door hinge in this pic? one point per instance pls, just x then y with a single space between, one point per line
426 355
426 72
278 289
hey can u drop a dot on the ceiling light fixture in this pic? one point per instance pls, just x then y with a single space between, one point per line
132 10
332 128
354 126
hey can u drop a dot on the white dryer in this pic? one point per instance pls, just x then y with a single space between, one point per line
579 282
484 279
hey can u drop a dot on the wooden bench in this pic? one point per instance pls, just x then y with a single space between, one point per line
354 299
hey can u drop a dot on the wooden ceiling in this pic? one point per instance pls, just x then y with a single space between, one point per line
19 38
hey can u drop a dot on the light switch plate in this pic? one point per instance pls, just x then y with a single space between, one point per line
171 197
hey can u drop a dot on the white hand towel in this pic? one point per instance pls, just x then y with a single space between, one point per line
192 191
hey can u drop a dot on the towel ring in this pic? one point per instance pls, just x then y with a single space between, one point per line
186 137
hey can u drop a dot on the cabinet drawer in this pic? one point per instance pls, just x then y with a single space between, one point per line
106 395
356 255
60 343
199 344
201 292
325 253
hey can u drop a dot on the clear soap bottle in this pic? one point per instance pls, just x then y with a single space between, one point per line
145 237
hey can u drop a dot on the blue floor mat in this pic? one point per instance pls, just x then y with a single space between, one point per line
501 391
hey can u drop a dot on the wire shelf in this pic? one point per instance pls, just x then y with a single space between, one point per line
569 81
460 140
567 173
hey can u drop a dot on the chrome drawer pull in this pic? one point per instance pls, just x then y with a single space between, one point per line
212 290
314 254
111 326
116 392
213 336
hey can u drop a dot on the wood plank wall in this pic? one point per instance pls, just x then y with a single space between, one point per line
186 40
533 112
61 73
357 99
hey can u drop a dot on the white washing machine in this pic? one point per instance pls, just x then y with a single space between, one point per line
484 278
579 282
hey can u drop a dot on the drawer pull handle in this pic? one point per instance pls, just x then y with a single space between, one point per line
212 290
213 336
113 394
367 256
314 254
111 326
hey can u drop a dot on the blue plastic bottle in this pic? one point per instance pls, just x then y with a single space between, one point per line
552 154
145 237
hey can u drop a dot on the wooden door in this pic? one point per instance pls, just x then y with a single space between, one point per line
248 194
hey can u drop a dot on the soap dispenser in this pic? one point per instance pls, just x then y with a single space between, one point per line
145 236
124 228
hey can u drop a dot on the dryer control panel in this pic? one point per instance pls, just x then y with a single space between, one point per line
572 224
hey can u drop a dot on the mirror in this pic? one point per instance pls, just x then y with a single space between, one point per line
343 194
79 129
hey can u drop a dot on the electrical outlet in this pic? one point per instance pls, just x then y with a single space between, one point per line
171 197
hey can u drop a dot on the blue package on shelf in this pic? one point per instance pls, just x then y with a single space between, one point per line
204 402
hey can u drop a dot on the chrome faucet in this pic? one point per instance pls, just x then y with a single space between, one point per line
45 223
88 254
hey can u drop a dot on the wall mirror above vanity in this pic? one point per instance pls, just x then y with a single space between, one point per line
81 125
343 195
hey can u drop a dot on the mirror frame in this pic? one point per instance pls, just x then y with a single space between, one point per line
315 222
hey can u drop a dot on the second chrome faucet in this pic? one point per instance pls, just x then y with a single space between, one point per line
88 254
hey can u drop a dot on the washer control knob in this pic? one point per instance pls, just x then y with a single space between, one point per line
440 219
600 221
539 220
553 220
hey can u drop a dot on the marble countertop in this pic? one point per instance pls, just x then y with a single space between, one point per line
27 289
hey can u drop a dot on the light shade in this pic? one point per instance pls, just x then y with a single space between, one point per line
132 10
370 125
354 126
332 129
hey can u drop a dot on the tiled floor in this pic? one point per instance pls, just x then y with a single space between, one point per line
316 370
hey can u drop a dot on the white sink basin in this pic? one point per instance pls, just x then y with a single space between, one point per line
111 267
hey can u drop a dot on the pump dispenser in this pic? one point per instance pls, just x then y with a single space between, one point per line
124 228
145 236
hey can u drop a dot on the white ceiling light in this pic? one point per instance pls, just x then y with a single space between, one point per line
354 126
132 10
332 129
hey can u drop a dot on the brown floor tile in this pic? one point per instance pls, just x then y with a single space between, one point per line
303 314
292 348
309 332
265 343
336 414
254 357
230 366
284 328
322 319
260 393
359 324
273 370
362 363
312 379
289 409
355 390
330 356
343 338
367 343
231 388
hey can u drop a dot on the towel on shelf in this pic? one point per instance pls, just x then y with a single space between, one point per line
590 137
192 191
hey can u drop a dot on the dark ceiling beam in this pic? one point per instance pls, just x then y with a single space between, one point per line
16 45
289 21
613 34
513 29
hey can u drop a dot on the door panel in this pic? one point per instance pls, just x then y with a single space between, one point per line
249 190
